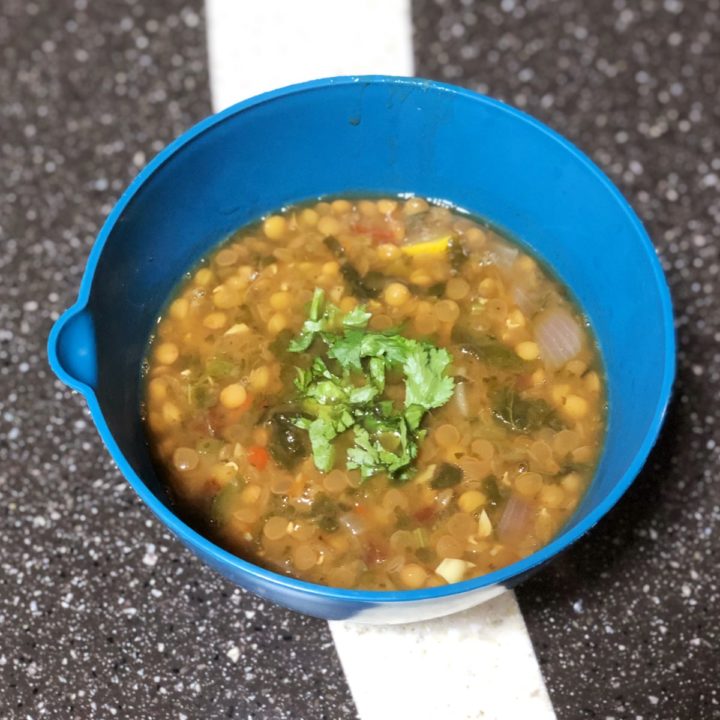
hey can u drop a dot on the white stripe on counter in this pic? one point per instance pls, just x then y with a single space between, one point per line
476 664
258 45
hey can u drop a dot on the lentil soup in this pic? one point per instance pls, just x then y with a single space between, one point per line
379 394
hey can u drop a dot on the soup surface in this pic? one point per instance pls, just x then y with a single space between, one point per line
380 394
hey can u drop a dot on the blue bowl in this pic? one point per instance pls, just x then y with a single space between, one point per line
371 135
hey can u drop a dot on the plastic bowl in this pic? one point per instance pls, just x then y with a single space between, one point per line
373 135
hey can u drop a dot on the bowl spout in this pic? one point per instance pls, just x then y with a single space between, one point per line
71 349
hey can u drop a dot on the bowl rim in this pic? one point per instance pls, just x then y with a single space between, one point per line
240 567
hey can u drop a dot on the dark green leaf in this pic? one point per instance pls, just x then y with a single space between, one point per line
487 350
220 368
492 489
203 395
358 317
288 443
446 475
334 246
456 254
521 414
328 523
226 500
279 346
358 287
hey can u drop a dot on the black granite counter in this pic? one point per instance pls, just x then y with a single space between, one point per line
102 613
627 623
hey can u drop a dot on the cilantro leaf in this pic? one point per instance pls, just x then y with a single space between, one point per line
358 317
385 440
321 433
322 319
427 383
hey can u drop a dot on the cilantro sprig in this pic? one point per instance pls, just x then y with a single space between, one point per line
350 395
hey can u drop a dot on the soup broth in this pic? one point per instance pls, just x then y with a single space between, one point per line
379 394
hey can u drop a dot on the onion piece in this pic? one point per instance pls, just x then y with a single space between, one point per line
453 569
559 336
461 399
526 299
515 519
354 523
503 255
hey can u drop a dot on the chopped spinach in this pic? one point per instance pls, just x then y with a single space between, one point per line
521 414
219 368
360 287
328 523
437 290
488 350
225 501
279 345
492 489
456 254
288 443
572 466
446 475
202 395
334 246
325 512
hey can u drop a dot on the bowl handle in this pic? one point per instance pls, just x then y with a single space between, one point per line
71 349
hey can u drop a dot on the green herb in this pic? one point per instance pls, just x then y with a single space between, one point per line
361 287
572 466
521 414
226 501
385 439
456 254
420 537
287 444
325 512
446 475
220 368
328 523
334 246
279 345
491 488
366 287
437 290
488 350
202 394
323 320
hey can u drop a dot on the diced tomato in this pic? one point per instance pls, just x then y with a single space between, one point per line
258 457
378 234
247 404
374 554
424 514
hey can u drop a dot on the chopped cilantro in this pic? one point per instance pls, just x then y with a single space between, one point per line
385 438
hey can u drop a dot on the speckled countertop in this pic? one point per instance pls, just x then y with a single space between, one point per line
103 614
